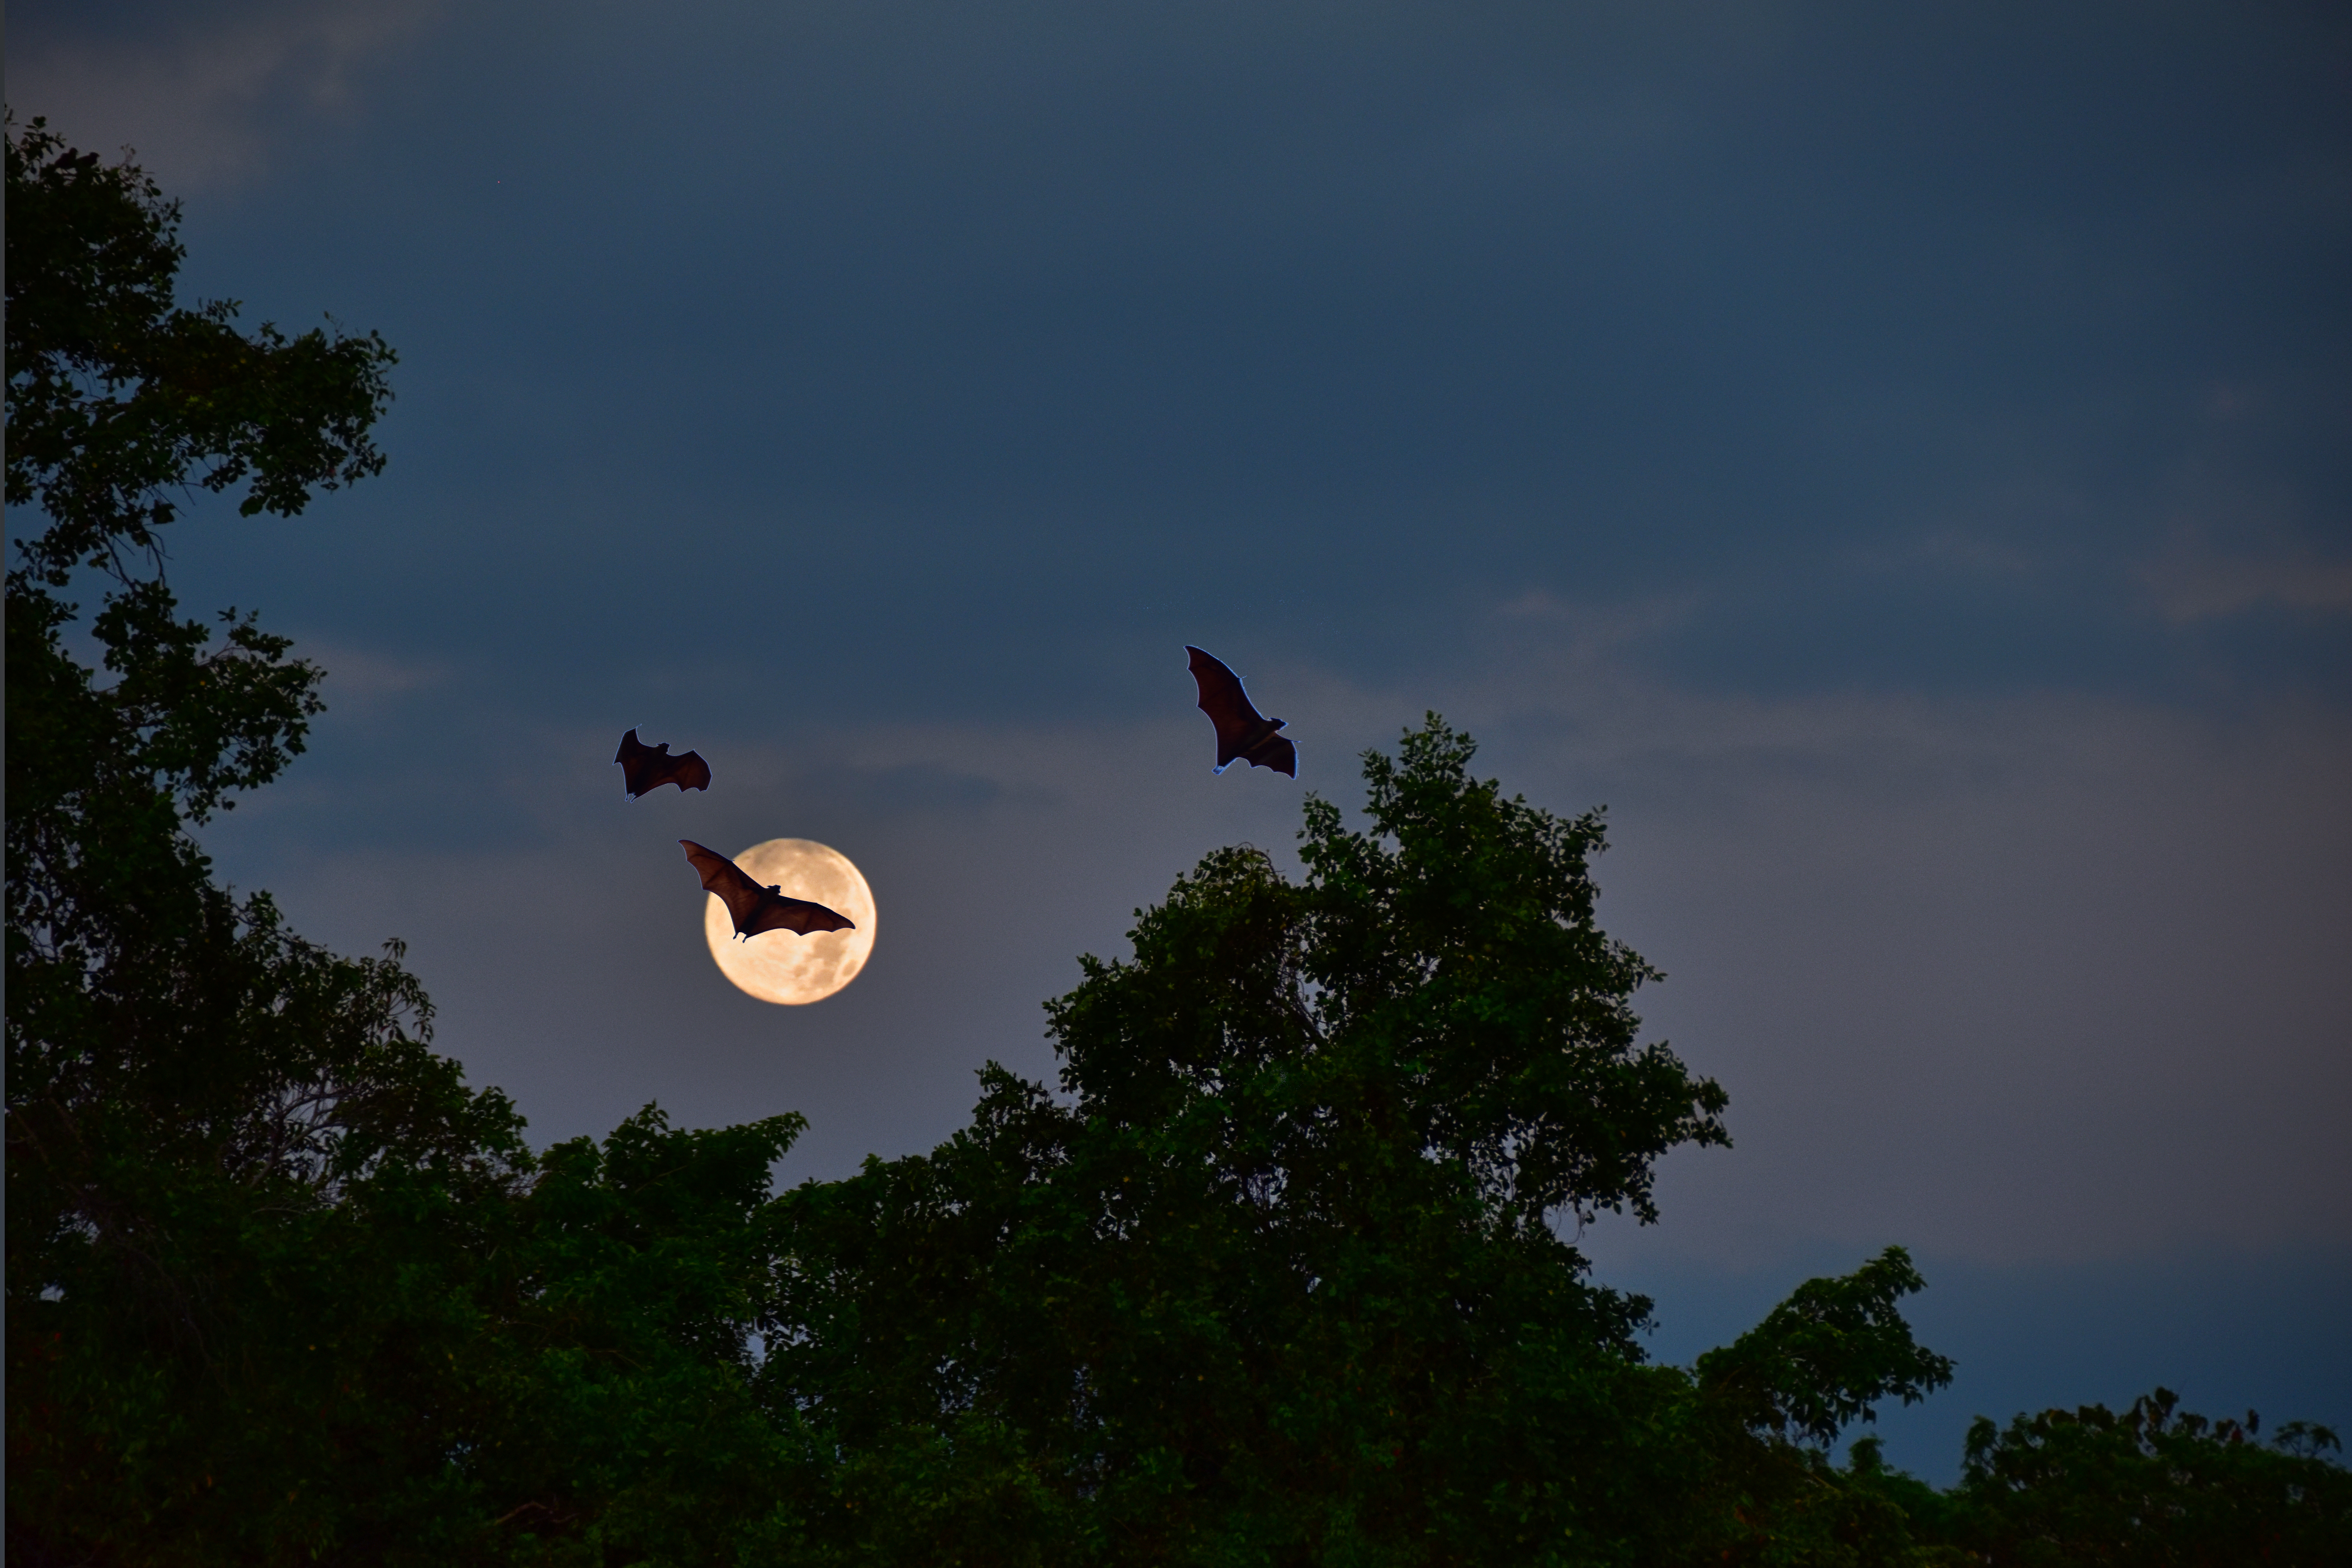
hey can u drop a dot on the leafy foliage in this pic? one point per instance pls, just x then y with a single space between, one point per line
1827 1353
117 394
281 1285
2153 1486
1277 1279
201 1105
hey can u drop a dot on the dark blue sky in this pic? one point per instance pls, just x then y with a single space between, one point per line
1900 461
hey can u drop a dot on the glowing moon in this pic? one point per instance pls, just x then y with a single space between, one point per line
776 966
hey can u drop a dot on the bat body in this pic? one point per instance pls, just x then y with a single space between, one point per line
646 768
1243 732
756 909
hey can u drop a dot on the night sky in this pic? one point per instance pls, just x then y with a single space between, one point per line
1897 459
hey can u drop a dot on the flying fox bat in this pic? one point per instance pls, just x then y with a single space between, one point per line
646 768
757 908
1242 731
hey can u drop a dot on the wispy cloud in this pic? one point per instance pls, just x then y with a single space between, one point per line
2241 535
2193 583
2006 955
198 96
361 676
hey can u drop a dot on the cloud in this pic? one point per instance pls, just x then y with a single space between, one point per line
2009 979
2239 532
2191 583
2014 978
203 95
365 676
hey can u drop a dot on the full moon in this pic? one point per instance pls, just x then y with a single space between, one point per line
776 966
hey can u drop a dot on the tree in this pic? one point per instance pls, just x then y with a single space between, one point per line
281 1285
1279 1279
1827 1354
196 1097
2152 1487
119 397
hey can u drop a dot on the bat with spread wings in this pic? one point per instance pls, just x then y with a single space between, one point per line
1243 732
756 909
646 768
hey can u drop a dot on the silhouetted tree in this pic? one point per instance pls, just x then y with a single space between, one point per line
280 1286
2152 1487
1280 1279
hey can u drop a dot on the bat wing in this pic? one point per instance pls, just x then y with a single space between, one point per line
755 908
798 916
1242 730
636 759
646 768
721 876
1226 704
1275 752
688 771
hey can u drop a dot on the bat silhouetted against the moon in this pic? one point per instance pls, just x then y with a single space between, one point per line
1243 732
644 768
756 909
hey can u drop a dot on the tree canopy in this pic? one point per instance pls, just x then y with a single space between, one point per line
1279 1271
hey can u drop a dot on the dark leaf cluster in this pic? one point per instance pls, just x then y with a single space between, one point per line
119 397
2152 1487
1278 1276
1827 1354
